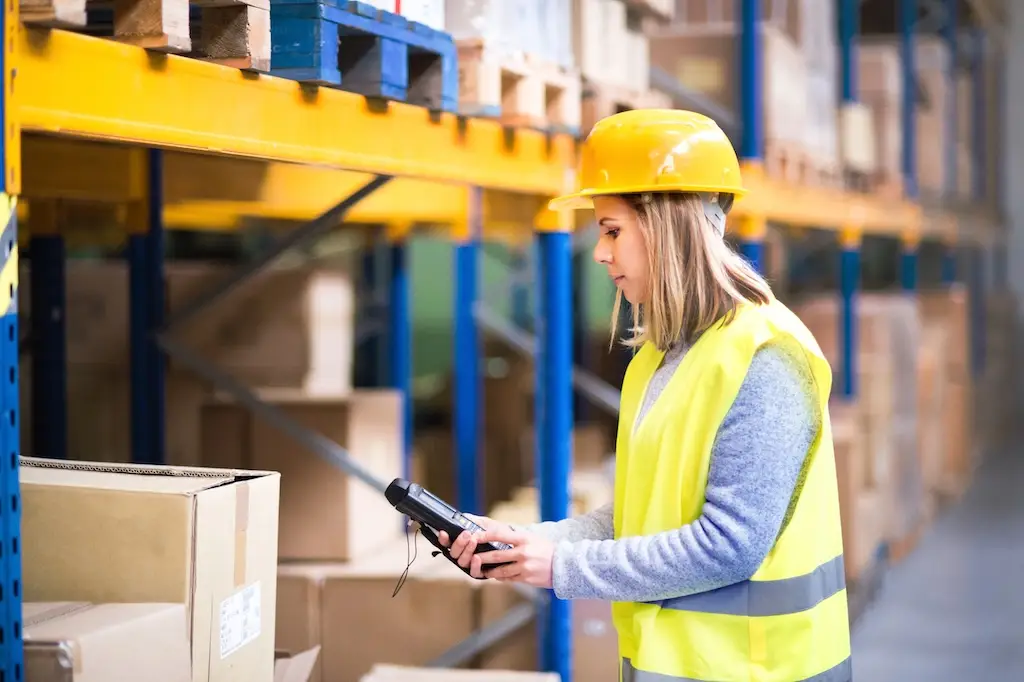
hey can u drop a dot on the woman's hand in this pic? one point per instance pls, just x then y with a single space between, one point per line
463 548
531 556
529 561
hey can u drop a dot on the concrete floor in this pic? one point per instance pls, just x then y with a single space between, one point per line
953 611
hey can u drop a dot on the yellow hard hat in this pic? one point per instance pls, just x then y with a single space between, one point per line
654 150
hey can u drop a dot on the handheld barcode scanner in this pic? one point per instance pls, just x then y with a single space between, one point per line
434 516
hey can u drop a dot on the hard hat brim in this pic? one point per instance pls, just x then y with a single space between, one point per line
585 199
569 202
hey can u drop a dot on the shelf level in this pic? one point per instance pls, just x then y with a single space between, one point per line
86 87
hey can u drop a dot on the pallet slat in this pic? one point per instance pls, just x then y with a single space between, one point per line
524 92
356 47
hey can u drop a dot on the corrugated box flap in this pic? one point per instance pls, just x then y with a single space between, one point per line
296 668
125 477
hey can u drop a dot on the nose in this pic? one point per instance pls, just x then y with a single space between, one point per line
602 252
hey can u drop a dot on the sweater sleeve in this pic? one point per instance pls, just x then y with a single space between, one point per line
597 525
756 463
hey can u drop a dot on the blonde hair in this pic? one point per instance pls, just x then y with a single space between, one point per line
696 278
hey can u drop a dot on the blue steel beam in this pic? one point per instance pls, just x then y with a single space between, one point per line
49 341
849 27
979 123
952 140
145 255
10 434
11 643
752 118
467 360
555 422
907 19
849 275
849 257
400 309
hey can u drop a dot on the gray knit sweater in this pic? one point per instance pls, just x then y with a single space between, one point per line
757 464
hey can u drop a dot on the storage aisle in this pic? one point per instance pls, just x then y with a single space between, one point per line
951 611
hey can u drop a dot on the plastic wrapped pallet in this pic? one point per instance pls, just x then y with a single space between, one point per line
555 31
704 58
493 22
880 88
428 12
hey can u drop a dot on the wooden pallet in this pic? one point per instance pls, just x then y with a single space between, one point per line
883 185
601 101
518 91
231 32
793 163
355 46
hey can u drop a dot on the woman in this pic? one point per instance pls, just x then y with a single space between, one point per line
722 552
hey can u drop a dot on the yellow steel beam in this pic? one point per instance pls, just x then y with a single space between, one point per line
85 87
825 208
206 192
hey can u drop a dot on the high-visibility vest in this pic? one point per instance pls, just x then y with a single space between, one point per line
789 622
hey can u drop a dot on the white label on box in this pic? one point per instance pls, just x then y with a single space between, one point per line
239 620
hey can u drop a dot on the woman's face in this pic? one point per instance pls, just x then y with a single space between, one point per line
621 247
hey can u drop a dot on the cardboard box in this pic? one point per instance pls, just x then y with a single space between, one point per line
124 533
325 514
706 59
82 642
297 668
353 611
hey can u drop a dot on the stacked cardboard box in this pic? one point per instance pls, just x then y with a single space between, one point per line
903 444
516 60
290 327
880 89
612 47
594 647
175 566
704 57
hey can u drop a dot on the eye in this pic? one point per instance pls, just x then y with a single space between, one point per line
612 232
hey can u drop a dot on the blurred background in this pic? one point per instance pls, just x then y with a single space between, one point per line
199 286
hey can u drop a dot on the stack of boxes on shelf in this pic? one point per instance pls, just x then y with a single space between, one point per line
516 62
303 561
799 82
613 50
903 445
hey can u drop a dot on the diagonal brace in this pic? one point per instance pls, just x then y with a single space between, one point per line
322 224
599 392
321 445
515 619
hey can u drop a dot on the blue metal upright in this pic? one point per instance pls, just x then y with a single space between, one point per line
11 667
400 310
979 124
555 422
467 359
949 264
849 27
979 139
49 338
952 141
849 276
849 239
908 266
752 230
146 318
907 21
907 24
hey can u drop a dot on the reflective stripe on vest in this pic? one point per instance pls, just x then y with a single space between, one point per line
767 597
840 673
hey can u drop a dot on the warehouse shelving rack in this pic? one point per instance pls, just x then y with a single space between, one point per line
164 119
